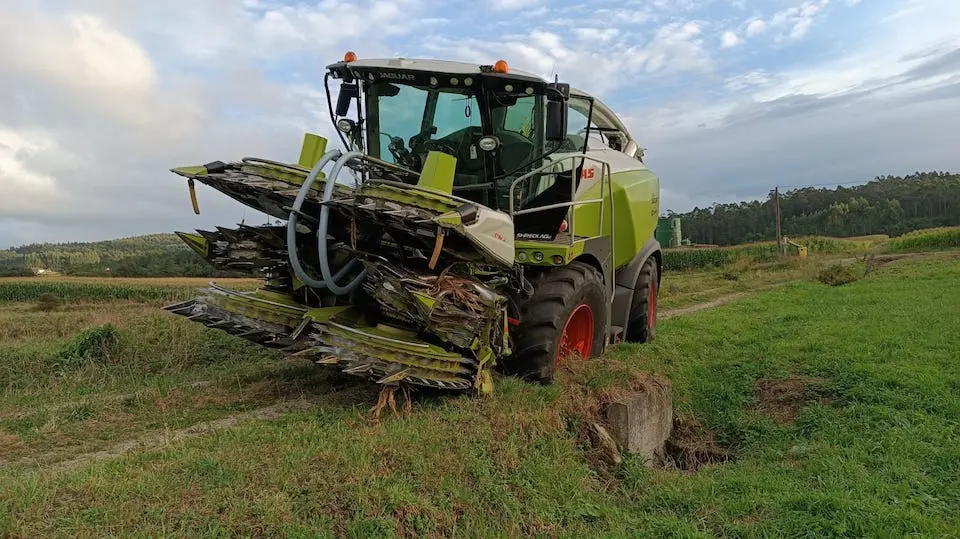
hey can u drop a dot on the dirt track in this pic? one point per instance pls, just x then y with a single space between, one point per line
158 439
680 311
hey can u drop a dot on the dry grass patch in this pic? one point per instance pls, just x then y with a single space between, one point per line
692 446
782 400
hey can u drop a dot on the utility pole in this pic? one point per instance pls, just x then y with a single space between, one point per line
776 194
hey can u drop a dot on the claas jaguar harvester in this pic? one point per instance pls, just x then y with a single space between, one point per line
477 219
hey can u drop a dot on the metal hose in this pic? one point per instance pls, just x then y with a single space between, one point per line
293 255
329 279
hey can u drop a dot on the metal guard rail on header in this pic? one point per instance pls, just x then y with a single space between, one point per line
605 181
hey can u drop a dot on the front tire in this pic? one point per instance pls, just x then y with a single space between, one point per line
567 313
642 325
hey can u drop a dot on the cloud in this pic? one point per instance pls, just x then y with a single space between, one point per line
24 188
730 39
883 108
507 5
755 27
101 97
797 20
601 60
80 55
108 96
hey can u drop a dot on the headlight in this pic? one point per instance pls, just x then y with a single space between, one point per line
488 144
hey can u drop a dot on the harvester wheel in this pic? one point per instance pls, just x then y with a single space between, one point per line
566 316
642 326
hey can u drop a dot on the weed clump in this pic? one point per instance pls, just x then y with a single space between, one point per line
730 276
97 344
692 446
48 302
838 274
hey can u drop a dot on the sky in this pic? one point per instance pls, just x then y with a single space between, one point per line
100 98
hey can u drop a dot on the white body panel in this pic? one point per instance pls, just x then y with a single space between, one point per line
492 232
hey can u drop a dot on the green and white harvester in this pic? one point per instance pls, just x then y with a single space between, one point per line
478 220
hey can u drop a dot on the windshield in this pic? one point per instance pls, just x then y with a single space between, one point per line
409 122
406 122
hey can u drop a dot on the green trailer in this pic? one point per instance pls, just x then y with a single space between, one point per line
668 232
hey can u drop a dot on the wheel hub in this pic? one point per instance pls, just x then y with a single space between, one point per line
577 335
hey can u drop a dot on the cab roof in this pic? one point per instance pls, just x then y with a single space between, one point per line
420 70
443 72
423 64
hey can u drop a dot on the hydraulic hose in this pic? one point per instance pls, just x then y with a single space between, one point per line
329 279
292 227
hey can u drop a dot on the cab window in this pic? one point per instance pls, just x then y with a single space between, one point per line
520 117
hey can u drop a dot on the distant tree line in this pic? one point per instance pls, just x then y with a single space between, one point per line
889 205
157 255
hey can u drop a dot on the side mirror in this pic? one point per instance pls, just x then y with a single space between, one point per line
556 128
348 91
557 95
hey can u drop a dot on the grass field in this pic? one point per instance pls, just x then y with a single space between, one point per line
840 408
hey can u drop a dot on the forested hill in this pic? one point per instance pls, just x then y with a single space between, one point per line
157 255
887 205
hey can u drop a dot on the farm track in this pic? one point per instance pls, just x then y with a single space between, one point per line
689 309
100 399
159 439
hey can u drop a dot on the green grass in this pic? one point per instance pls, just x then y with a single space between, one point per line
879 455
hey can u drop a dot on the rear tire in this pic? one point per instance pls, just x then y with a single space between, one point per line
569 299
642 325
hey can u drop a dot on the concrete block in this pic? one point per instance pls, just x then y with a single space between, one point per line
642 420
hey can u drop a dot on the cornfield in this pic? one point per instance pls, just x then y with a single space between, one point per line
698 258
828 245
933 238
27 290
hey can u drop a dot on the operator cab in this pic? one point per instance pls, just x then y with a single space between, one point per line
406 122
492 120
498 124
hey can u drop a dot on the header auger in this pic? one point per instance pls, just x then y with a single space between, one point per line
494 220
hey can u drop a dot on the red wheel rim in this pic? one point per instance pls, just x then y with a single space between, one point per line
652 315
577 336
